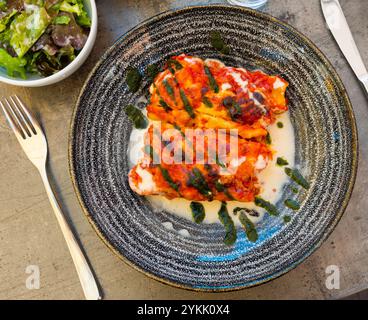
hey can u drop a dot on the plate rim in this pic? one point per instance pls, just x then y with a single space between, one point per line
355 148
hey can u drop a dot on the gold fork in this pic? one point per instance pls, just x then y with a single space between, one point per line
34 144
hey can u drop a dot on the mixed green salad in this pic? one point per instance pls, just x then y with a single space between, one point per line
41 36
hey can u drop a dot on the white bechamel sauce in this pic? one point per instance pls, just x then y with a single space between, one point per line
135 147
235 163
167 76
168 225
272 179
147 184
226 86
184 232
278 84
192 60
209 61
261 163
238 79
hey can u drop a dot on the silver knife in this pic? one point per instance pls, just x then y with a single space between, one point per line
339 27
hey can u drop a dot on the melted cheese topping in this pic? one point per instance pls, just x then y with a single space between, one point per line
272 178
255 171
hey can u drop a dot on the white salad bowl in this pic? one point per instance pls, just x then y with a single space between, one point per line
34 80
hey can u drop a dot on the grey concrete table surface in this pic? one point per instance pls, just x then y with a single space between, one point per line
29 234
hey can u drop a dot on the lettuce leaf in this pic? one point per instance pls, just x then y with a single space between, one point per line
40 3
4 21
76 7
83 19
26 28
47 64
3 5
5 38
71 34
61 20
13 65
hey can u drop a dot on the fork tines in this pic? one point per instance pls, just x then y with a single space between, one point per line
18 117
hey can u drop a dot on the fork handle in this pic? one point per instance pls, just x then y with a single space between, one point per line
364 81
85 274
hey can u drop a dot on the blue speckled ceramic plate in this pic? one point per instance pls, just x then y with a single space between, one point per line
326 151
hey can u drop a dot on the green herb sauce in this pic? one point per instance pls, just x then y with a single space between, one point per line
282 162
249 227
164 105
133 79
152 72
221 188
297 177
292 204
287 219
188 108
207 102
136 116
169 89
252 213
225 49
168 179
197 180
213 84
198 212
233 107
270 208
174 64
229 225
268 138
218 43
